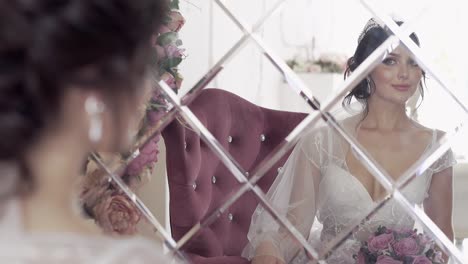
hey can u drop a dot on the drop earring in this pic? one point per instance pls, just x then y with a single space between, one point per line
368 81
94 108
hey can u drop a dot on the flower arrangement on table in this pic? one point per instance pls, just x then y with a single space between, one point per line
389 246
327 62
102 199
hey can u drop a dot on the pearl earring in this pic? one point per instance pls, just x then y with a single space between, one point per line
94 108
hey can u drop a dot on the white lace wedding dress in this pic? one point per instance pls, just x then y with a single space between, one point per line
17 247
317 193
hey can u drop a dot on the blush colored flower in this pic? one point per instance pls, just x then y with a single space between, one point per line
176 21
387 260
421 260
406 246
117 215
380 242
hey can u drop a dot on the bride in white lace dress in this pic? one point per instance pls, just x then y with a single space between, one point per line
72 75
323 188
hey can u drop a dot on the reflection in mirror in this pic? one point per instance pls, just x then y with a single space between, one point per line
334 178
310 185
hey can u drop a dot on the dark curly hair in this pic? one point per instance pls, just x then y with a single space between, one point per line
369 41
46 44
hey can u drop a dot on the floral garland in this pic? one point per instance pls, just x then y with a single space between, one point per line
327 62
103 200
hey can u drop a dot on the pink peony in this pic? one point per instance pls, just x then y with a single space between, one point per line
421 260
387 260
381 242
177 21
117 215
406 246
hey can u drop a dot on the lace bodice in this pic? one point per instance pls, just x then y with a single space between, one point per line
19 247
319 195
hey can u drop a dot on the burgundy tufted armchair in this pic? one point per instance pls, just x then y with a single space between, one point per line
199 182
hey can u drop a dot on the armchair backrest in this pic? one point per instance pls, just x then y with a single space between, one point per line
199 183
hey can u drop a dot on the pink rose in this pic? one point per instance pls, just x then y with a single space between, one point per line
387 260
406 246
421 260
381 242
176 22
117 215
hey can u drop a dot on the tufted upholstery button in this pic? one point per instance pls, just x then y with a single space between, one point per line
109 179
194 185
229 139
247 173
230 217
213 179
262 137
280 169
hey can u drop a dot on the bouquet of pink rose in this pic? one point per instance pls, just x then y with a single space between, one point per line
389 246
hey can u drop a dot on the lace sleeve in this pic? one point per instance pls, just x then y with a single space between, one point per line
292 194
447 160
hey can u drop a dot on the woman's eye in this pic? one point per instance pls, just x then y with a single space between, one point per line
413 63
389 61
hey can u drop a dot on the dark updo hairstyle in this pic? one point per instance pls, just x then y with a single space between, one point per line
46 44
370 39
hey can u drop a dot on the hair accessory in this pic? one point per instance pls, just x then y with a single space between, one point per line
372 23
